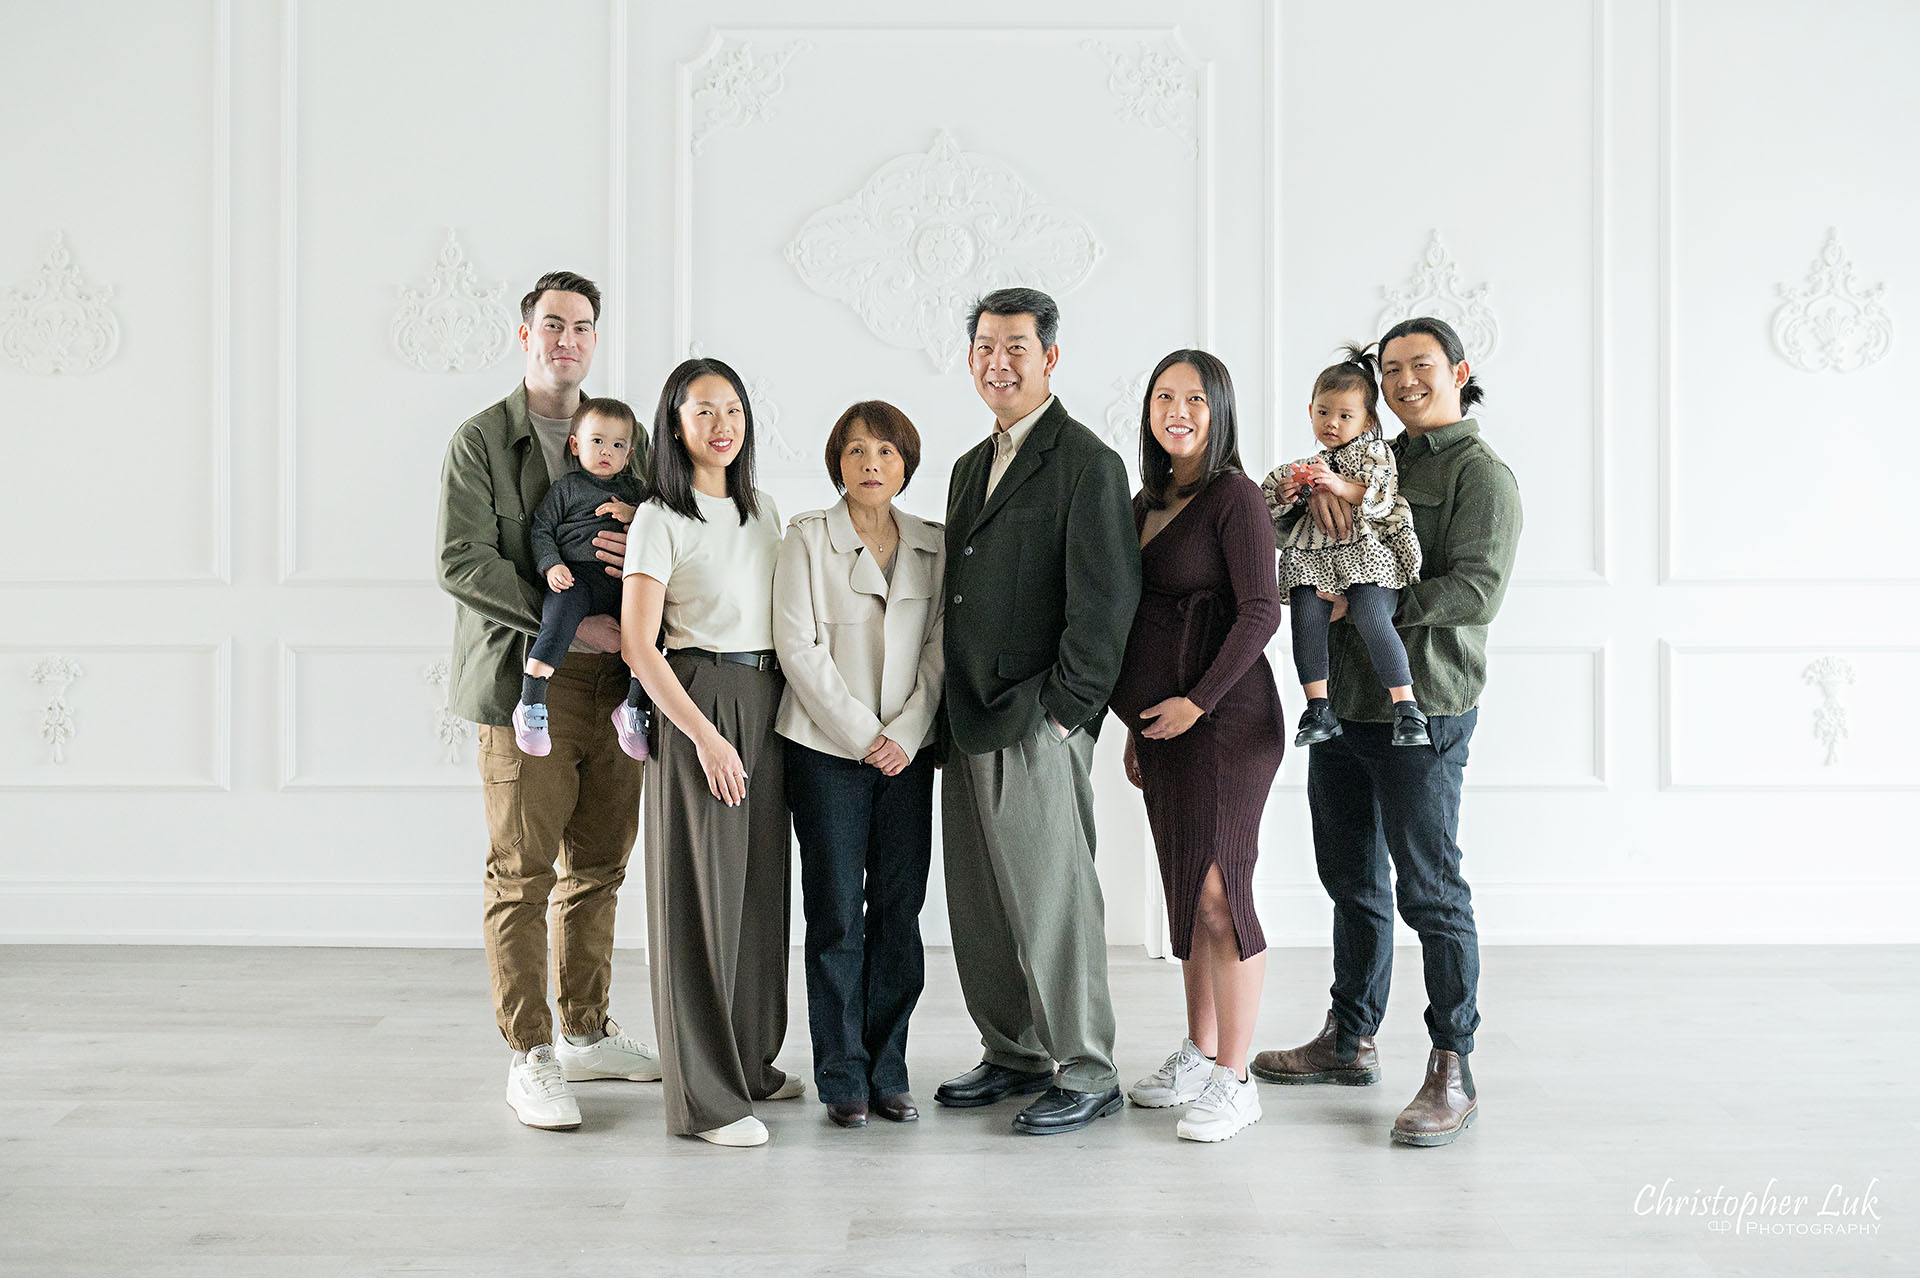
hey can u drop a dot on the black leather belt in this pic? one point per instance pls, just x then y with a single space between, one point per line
758 660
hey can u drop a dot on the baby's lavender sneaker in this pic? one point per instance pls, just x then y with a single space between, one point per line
530 729
631 729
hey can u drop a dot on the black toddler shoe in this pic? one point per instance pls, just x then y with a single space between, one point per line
1318 724
1409 724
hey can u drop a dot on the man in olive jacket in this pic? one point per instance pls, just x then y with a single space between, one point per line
1043 576
585 795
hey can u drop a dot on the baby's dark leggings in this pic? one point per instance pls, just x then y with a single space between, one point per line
1371 609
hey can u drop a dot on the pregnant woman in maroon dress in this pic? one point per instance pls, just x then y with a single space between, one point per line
1205 729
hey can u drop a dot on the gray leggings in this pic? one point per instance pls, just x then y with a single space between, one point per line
1371 610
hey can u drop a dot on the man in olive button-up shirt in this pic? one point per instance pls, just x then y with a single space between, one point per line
1373 802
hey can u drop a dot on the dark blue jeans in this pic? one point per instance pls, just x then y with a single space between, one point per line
1372 803
866 842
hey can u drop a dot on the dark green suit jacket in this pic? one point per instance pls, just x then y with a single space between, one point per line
1041 586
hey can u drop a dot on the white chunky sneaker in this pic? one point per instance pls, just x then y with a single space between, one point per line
794 1086
537 1090
1181 1079
741 1133
615 1056
1223 1109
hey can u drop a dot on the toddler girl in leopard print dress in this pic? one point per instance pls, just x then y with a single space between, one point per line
1366 568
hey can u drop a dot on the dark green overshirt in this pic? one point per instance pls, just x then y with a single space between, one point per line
1466 512
490 485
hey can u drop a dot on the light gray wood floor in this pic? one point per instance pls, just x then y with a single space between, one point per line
327 1112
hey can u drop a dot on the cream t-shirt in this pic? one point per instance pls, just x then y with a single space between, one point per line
718 574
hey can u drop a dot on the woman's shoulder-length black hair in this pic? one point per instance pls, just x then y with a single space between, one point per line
1223 431
671 483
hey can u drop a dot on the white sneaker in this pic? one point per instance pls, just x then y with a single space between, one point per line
741 1133
615 1056
1223 1109
1180 1080
537 1090
793 1087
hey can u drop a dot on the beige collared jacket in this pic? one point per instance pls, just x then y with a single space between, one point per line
862 656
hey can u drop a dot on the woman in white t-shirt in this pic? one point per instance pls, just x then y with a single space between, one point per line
700 559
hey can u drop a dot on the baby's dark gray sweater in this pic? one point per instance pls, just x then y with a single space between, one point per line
564 525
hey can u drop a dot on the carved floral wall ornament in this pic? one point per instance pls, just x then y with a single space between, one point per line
58 323
56 722
1830 675
927 234
451 324
1123 417
449 729
766 414
738 87
1434 289
1153 87
1831 321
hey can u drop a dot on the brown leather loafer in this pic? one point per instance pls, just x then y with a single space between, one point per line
1320 1062
1444 1106
847 1113
897 1108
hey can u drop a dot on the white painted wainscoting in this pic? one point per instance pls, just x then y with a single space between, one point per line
255 278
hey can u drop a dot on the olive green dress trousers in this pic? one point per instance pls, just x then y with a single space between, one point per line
1029 922
718 885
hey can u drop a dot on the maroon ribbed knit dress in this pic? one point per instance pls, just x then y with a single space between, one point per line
1208 604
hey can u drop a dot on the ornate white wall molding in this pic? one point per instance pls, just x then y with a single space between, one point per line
58 323
930 232
1831 321
1123 416
1830 675
1154 87
737 86
452 732
56 723
451 324
1434 289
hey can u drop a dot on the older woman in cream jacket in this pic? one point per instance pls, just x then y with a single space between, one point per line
856 624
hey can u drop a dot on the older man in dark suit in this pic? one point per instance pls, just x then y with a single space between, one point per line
1042 578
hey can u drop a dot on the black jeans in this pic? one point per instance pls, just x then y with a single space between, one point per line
1371 802
866 843
592 594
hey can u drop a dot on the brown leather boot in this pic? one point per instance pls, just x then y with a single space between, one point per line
1444 1106
1320 1062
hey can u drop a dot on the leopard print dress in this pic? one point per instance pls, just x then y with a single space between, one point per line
1382 549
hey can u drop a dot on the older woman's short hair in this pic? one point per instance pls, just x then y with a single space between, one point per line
882 421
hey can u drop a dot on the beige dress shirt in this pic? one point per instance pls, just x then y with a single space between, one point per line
861 653
1006 443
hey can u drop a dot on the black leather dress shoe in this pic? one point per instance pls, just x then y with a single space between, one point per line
984 1084
1409 724
897 1108
1062 1109
1318 724
847 1113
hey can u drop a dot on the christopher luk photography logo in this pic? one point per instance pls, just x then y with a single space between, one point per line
1832 1210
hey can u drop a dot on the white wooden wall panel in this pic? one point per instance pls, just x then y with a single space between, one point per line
242 571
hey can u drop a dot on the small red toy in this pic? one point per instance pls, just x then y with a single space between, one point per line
1301 473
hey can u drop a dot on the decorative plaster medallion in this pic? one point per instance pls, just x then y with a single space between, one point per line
1123 417
1830 675
766 412
1831 322
1153 87
56 723
58 323
929 233
451 324
1434 289
449 729
739 87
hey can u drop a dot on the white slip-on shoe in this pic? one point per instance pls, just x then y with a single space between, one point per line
741 1133
615 1056
1182 1078
789 1090
1226 1106
537 1090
